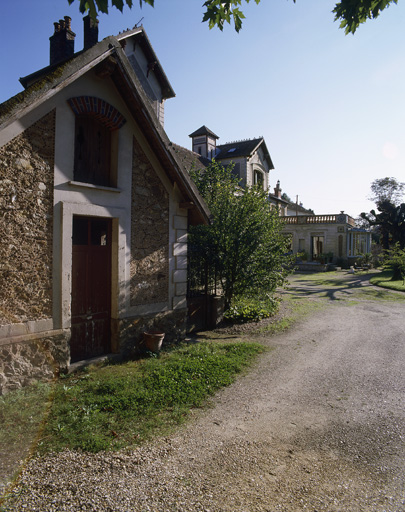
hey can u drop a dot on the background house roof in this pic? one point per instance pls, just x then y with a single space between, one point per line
243 148
203 131
299 208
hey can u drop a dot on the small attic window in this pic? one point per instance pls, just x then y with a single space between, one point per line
231 150
96 140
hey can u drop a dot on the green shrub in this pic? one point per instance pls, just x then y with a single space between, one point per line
395 261
248 309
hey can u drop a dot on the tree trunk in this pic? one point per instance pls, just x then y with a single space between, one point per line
397 276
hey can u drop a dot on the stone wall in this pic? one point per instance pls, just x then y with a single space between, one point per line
173 323
34 359
26 207
149 265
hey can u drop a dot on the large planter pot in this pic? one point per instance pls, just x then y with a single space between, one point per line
153 340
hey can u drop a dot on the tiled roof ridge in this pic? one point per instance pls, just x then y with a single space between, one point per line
182 147
241 140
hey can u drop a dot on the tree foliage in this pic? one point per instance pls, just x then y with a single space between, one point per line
390 215
387 189
350 13
244 242
395 261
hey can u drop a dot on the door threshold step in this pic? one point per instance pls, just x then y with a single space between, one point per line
79 365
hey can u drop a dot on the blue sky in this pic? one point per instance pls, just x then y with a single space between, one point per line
330 107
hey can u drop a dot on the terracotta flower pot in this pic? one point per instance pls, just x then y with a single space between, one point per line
153 340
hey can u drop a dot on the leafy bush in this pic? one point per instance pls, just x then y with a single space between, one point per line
244 309
244 246
364 260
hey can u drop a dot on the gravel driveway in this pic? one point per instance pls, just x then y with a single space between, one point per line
316 425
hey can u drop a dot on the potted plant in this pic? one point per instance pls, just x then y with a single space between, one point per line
153 340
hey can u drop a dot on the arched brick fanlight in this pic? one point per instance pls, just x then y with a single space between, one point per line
100 109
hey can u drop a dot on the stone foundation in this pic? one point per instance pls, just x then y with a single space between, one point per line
40 357
173 323
43 356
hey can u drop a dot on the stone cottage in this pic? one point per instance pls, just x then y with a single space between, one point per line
94 208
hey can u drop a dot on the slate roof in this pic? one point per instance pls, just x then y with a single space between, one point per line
203 131
146 46
299 208
109 57
243 148
279 199
189 159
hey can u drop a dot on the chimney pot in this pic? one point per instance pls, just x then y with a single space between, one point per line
277 190
62 42
90 27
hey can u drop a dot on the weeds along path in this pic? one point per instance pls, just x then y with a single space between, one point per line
317 424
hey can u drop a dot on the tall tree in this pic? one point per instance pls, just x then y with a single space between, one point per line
244 243
387 189
390 215
350 13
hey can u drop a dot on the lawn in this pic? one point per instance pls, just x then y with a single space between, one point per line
122 405
383 279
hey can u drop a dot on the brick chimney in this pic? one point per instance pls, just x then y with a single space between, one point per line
62 42
90 32
277 190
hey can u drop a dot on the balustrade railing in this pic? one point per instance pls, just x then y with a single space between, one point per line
319 219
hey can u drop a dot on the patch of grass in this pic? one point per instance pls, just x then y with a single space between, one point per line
122 405
22 413
298 308
383 279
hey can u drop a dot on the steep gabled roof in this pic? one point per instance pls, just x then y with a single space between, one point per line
141 38
243 148
107 58
139 35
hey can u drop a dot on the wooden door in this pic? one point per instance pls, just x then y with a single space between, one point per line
91 288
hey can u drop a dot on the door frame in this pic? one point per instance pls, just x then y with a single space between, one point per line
63 261
91 293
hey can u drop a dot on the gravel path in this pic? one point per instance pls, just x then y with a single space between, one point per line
318 424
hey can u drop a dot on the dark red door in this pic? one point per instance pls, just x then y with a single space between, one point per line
91 288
